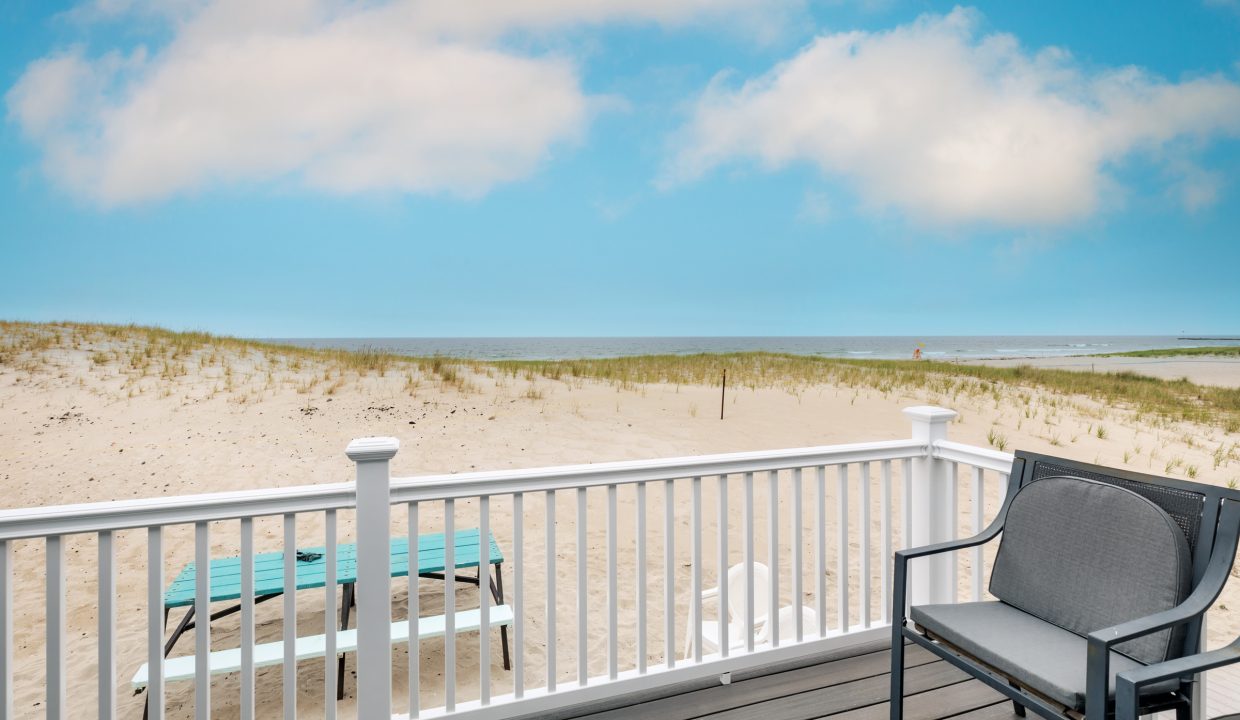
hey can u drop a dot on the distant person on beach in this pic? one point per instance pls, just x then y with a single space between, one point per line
916 353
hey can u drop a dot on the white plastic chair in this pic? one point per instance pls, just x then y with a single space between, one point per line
788 619
736 613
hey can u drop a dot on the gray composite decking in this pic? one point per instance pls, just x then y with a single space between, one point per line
852 684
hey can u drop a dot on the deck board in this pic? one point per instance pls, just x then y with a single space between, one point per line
853 687
721 698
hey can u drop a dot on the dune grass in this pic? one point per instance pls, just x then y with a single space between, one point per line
165 354
1170 399
148 350
1219 351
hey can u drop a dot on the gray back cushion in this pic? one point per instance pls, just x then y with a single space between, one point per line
1085 555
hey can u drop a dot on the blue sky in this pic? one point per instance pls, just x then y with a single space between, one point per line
551 168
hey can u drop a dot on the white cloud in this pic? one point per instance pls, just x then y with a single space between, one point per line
954 127
405 96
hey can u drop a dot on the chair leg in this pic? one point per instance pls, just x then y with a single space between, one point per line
1016 706
896 701
1184 711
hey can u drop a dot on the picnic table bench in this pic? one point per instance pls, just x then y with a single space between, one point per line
311 572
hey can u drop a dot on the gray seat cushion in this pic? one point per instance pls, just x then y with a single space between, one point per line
1045 658
1085 555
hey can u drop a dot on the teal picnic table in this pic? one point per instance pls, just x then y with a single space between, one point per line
311 564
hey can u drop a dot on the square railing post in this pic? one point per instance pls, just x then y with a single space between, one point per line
930 506
374 579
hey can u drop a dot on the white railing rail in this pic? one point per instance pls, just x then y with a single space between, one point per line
572 477
826 538
41 522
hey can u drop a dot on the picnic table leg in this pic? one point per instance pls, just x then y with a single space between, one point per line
168 648
497 592
346 601
181 628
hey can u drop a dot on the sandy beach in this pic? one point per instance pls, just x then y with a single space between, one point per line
82 420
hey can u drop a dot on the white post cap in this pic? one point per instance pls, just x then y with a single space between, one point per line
372 448
930 414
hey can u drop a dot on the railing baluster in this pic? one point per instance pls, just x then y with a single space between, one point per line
583 673
415 612
884 531
6 628
820 546
842 550
518 595
669 574
865 544
798 621
747 507
953 502
330 579
57 696
642 650
979 495
290 616
772 555
484 600
722 580
247 618
549 499
613 630
107 626
906 516
695 599
155 622
449 603
202 629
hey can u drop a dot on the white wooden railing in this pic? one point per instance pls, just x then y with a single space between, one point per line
808 513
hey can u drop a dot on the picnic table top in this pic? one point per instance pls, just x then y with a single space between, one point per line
269 567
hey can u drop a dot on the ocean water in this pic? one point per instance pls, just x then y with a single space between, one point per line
887 347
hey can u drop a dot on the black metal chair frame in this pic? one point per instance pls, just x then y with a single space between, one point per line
1214 551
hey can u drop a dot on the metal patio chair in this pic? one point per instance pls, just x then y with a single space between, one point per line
1099 572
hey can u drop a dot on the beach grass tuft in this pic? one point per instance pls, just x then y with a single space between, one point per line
1219 351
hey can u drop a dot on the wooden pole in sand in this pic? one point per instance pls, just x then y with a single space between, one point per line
723 391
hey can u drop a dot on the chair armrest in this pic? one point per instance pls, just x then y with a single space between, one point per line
1193 606
1128 685
981 538
1179 667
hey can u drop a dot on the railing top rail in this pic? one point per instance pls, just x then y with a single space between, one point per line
19 523
500 482
984 458
22 523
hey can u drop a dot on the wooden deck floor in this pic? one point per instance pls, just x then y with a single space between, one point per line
852 685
